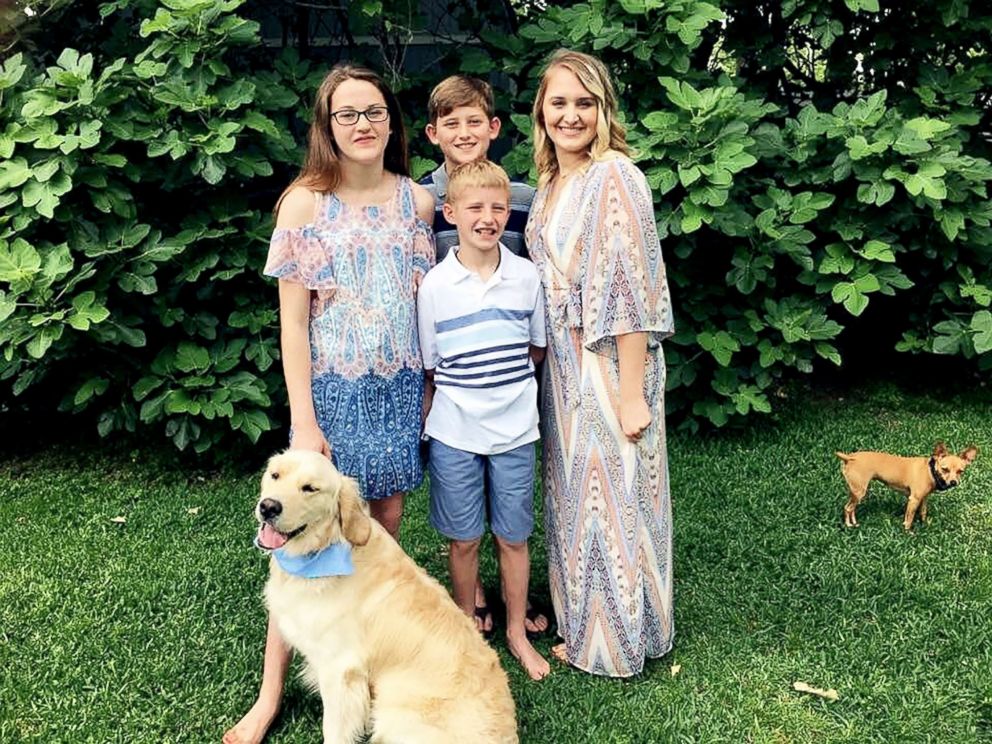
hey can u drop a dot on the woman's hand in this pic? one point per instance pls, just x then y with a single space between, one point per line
635 417
310 437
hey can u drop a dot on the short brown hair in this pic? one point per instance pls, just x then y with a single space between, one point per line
459 90
479 174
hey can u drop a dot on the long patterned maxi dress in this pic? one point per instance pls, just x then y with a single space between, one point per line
362 266
607 505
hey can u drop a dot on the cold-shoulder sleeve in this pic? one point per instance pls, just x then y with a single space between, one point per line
424 252
625 288
297 255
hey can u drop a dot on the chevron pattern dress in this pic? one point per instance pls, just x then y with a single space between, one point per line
363 266
607 505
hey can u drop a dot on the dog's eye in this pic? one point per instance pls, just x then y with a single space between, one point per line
307 488
274 476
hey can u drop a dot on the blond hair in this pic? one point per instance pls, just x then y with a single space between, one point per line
479 174
460 90
611 136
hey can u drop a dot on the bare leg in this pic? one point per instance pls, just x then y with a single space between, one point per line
388 512
540 623
514 566
463 563
252 728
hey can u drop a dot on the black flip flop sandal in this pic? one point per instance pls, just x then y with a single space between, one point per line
481 613
534 612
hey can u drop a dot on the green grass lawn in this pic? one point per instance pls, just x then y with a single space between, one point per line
151 630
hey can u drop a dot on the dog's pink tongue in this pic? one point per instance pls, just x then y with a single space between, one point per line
269 537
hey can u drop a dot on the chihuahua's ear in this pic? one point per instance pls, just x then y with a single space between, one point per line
970 454
940 450
356 525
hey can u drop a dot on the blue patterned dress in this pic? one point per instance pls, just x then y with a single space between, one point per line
362 266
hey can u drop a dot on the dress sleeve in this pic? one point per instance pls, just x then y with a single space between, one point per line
424 252
625 288
297 255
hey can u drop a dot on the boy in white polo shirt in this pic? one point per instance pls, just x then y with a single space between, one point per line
481 322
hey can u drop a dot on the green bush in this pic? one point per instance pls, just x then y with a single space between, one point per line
132 233
793 190
784 209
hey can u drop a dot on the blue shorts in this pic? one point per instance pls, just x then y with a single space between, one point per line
458 492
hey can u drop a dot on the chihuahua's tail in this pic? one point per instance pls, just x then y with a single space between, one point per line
844 456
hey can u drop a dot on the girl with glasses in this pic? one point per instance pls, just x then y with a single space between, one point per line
351 245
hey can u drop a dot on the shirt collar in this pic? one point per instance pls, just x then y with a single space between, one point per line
440 178
460 273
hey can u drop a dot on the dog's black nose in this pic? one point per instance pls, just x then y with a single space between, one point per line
269 508
954 482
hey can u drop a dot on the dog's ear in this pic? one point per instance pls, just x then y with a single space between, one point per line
970 454
940 450
356 525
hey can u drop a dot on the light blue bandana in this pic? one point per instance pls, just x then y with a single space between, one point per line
334 560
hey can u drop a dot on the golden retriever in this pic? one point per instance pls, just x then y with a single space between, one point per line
389 651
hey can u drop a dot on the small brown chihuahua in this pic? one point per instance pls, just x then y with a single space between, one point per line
917 477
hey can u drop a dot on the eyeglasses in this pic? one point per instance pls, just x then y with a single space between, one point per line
350 117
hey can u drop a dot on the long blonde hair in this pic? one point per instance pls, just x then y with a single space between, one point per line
611 136
321 169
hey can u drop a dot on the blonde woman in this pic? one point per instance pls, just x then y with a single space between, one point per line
593 237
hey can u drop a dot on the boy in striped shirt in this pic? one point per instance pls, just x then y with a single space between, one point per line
481 322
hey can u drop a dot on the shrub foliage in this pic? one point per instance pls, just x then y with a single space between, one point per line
809 160
131 239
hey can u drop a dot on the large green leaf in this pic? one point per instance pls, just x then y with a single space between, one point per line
19 261
981 326
14 172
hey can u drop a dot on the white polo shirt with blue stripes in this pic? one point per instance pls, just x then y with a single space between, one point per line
476 336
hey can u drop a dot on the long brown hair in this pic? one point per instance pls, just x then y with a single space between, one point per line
321 168
611 136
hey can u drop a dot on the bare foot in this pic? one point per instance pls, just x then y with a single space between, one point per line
252 728
534 664
558 651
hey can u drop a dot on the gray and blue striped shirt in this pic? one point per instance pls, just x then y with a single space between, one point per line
445 234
